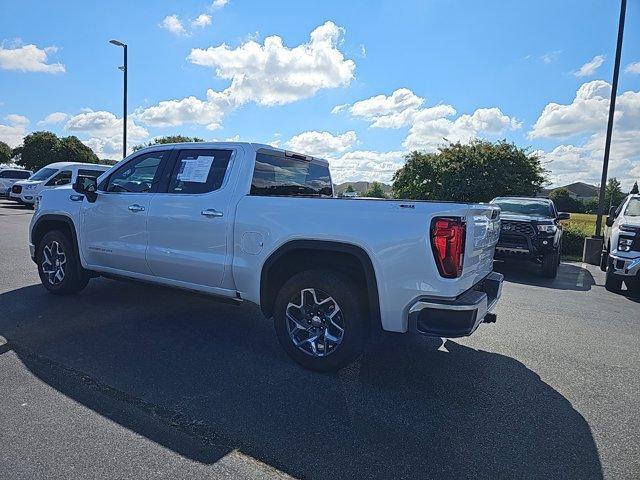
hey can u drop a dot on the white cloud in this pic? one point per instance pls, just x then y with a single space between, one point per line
53 118
339 108
393 111
201 21
268 74
366 165
14 130
587 112
105 132
432 129
218 4
187 110
590 67
586 117
322 144
29 58
173 24
274 74
633 68
550 57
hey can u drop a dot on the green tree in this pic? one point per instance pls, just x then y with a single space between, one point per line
37 148
42 148
591 205
5 153
168 139
565 203
349 189
634 189
613 195
473 172
71 149
375 191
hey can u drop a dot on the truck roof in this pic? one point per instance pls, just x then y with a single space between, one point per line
257 147
75 164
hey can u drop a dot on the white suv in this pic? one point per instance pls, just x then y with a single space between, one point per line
9 176
53 175
621 255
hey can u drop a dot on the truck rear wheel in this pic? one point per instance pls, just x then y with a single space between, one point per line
320 319
58 264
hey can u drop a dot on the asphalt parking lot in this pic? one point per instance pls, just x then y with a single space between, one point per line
133 381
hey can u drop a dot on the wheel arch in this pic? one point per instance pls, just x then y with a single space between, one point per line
49 222
298 255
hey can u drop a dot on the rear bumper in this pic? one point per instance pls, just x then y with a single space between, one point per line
459 317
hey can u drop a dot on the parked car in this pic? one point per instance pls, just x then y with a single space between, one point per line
53 175
621 254
248 222
530 230
9 176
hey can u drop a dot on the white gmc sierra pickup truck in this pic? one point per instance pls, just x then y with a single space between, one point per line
251 222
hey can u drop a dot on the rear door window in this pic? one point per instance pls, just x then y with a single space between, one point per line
199 171
287 176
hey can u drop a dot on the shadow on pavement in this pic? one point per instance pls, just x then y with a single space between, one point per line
571 276
407 409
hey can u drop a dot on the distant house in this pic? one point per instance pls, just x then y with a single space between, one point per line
578 190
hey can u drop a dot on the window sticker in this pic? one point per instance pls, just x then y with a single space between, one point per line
195 169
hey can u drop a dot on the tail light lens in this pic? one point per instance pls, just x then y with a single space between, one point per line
447 240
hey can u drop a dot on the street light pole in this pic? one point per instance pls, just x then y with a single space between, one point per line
612 109
124 106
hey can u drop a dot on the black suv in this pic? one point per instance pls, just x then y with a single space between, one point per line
530 230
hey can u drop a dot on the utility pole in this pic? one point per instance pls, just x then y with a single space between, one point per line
612 109
124 105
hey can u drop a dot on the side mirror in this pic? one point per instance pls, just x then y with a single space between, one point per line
87 186
612 212
609 221
564 216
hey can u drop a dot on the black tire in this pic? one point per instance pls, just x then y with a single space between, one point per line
633 286
604 260
352 317
57 246
612 282
550 262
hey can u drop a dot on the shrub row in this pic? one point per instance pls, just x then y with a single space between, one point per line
573 239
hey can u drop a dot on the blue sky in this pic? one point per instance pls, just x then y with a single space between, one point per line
459 70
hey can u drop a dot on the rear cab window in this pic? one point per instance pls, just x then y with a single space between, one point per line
87 172
277 174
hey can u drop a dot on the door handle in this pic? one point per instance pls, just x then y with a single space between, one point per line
136 208
211 213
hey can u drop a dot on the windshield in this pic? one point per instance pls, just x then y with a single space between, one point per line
633 208
43 174
534 208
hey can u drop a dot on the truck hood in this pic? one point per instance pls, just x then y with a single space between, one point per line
524 218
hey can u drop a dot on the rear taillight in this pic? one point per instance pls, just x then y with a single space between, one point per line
447 241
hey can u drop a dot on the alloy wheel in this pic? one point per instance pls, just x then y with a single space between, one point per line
315 322
54 262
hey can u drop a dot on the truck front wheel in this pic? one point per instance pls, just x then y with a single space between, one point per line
612 282
320 319
58 265
550 262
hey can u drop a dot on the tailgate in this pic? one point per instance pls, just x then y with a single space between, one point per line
483 230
